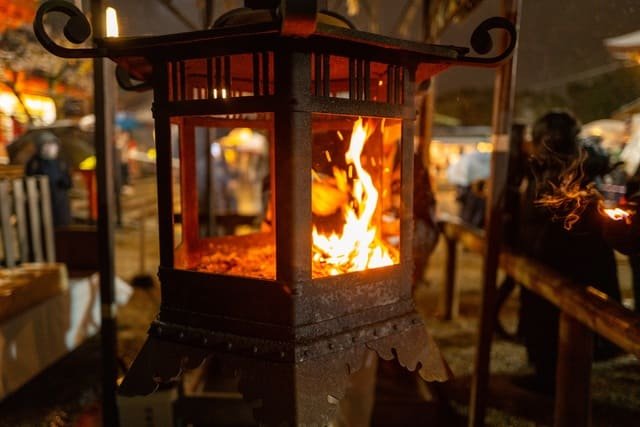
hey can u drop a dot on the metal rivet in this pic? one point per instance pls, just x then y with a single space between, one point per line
181 335
229 345
255 349
282 355
205 340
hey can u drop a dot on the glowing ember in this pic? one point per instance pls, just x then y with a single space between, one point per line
358 246
617 214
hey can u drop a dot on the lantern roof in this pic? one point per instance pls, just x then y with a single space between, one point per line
248 30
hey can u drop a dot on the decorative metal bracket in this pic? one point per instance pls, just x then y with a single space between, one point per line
77 30
482 42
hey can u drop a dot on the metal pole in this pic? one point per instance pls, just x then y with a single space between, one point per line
104 109
503 101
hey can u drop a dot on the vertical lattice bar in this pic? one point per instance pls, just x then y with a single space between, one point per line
265 73
175 94
390 85
326 74
317 66
359 79
210 82
47 218
34 219
218 89
398 85
352 78
227 75
21 219
5 224
183 82
367 80
256 74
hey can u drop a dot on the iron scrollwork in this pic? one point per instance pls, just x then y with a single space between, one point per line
77 30
482 42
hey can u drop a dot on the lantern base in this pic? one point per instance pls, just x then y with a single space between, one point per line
303 391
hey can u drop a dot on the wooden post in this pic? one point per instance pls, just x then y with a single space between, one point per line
573 374
34 219
47 218
21 218
502 112
5 224
104 109
449 288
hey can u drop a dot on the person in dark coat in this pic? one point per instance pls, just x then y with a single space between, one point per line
46 162
562 228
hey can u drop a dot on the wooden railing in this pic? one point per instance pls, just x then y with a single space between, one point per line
583 310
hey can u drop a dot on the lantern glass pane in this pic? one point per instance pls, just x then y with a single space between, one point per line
355 193
225 195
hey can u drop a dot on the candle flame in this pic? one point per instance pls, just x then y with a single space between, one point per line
112 22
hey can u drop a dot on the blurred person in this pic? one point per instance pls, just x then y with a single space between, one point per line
123 148
557 187
47 162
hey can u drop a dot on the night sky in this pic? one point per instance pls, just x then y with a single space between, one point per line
558 38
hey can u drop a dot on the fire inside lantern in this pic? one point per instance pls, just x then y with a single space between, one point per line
357 244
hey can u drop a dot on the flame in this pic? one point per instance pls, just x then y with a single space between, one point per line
618 214
357 247
111 20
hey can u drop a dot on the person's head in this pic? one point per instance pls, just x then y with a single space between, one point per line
48 145
554 136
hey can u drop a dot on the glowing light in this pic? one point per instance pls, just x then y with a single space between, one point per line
618 214
88 164
484 147
223 93
357 247
111 17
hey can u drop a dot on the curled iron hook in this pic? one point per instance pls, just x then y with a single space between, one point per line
77 30
482 42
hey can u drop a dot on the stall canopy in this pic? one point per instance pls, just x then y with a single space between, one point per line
626 46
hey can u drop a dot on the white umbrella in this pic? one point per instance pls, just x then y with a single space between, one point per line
469 168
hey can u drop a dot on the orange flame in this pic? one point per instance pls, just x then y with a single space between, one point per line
618 214
358 247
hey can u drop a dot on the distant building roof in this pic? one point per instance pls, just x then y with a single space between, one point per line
626 46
